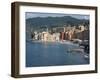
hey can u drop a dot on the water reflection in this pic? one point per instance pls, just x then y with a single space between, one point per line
53 54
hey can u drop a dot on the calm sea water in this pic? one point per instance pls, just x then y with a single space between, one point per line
52 54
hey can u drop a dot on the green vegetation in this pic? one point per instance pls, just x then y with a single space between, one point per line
51 22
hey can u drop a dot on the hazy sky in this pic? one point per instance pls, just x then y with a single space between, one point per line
37 14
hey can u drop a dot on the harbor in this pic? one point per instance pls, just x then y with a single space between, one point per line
57 41
39 53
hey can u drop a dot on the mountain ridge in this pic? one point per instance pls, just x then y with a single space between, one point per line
51 22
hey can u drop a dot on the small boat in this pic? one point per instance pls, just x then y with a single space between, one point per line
69 51
86 56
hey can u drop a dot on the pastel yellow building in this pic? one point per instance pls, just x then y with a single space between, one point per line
46 36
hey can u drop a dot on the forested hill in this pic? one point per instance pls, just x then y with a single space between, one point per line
54 21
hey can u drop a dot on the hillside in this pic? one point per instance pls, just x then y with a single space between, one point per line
51 22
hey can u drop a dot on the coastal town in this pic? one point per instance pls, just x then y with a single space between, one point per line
57 40
64 33
79 35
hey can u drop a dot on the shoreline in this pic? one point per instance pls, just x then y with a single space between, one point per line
62 42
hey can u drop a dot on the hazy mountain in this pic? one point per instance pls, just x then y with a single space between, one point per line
50 22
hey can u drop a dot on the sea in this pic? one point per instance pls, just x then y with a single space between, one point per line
40 54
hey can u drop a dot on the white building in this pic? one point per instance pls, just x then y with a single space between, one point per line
46 36
56 36
36 35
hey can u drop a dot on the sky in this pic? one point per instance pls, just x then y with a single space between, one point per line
37 14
